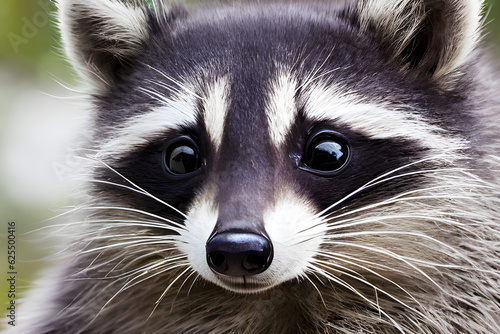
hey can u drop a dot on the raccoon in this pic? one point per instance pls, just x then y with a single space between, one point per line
319 167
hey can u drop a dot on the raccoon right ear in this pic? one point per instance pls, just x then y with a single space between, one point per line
103 38
432 37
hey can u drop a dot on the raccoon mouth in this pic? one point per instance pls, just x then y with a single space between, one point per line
243 284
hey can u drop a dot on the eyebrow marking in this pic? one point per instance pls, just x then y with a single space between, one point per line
378 120
142 129
216 106
281 109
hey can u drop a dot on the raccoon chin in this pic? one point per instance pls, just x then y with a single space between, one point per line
244 284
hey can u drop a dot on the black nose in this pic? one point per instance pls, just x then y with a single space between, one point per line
239 253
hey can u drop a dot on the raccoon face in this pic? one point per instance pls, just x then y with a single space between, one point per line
250 147
248 134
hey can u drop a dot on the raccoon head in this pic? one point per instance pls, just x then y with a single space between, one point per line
263 145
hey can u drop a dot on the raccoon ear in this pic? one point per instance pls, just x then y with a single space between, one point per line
102 38
434 37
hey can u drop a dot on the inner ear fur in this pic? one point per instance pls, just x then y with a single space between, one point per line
432 37
103 38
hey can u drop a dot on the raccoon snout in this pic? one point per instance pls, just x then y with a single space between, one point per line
236 253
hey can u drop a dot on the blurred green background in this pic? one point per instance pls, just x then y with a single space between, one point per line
39 117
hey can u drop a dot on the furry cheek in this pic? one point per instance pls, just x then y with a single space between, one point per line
297 233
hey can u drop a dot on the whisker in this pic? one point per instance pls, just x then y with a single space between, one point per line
148 266
116 294
380 179
161 84
339 258
127 244
312 75
143 191
113 223
180 84
71 211
341 282
193 272
133 281
341 269
126 209
317 290
380 232
171 259
403 197
157 303
153 94
355 221
192 284
389 254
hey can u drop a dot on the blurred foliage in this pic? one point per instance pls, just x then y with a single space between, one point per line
492 27
29 38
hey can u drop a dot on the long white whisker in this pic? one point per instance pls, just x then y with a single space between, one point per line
341 269
391 255
403 197
170 88
145 213
157 303
180 84
355 221
143 191
316 288
131 282
356 292
127 244
403 233
154 95
339 258
381 178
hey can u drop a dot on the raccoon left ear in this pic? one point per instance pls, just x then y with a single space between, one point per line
434 37
103 38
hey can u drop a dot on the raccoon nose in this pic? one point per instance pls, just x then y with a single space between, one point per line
239 253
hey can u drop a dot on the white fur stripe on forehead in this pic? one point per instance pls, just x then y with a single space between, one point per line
140 130
281 110
215 106
377 120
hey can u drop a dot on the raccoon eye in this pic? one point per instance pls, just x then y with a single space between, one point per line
326 153
182 157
